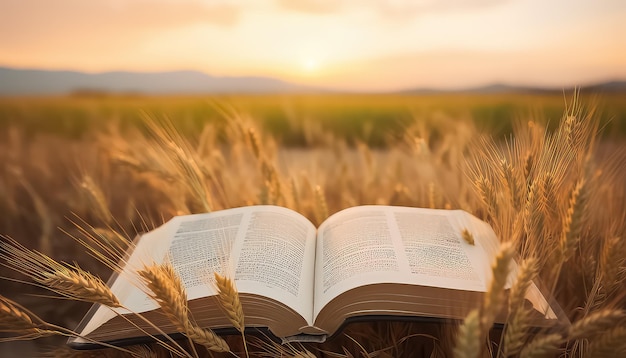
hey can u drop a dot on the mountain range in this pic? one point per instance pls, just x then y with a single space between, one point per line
46 82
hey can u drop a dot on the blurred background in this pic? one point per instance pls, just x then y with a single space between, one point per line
399 88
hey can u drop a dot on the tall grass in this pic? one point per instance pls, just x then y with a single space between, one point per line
556 198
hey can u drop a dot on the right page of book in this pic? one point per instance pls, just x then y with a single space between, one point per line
382 244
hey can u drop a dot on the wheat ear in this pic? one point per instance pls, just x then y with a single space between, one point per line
572 224
229 299
487 195
255 143
533 212
467 236
511 182
595 322
611 343
143 352
495 295
168 291
321 207
468 340
517 324
431 196
611 260
541 346
81 285
527 272
15 319
66 280
515 335
571 227
96 199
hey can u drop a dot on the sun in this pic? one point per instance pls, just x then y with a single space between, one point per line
310 65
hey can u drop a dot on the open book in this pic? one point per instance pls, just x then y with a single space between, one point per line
301 282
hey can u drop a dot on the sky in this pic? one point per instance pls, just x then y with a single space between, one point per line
357 45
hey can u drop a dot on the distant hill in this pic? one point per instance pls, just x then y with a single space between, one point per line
41 82
602 87
44 82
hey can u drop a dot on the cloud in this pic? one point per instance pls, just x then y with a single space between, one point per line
392 9
56 29
94 15
312 6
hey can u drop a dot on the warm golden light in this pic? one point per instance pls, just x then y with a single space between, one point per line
379 45
310 65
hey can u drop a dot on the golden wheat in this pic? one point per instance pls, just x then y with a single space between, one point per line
66 280
467 236
169 292
96 198
229 299
494 297
81 285
572 222
15 319
611 343
611 262
469 339
517 322
526 274
542 346
321 206
595 323
538 190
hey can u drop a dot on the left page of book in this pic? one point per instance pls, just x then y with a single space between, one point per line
267 250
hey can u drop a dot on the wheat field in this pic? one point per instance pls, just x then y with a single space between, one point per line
73 198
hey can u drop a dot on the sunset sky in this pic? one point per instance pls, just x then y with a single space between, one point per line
364 45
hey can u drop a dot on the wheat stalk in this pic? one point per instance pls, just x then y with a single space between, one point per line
572 222
255 143
517 324
469 337
467 236
515 334
169 292
206 337
610 258
611 343
541 346
81 285
66 280
511 182
431 196
527 272
494 297
529 162
229 299
15 319
595 322
487 195
143 352
533 212
96 198
321 207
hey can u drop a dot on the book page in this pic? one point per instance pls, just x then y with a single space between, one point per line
266 250
274 257
382 244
